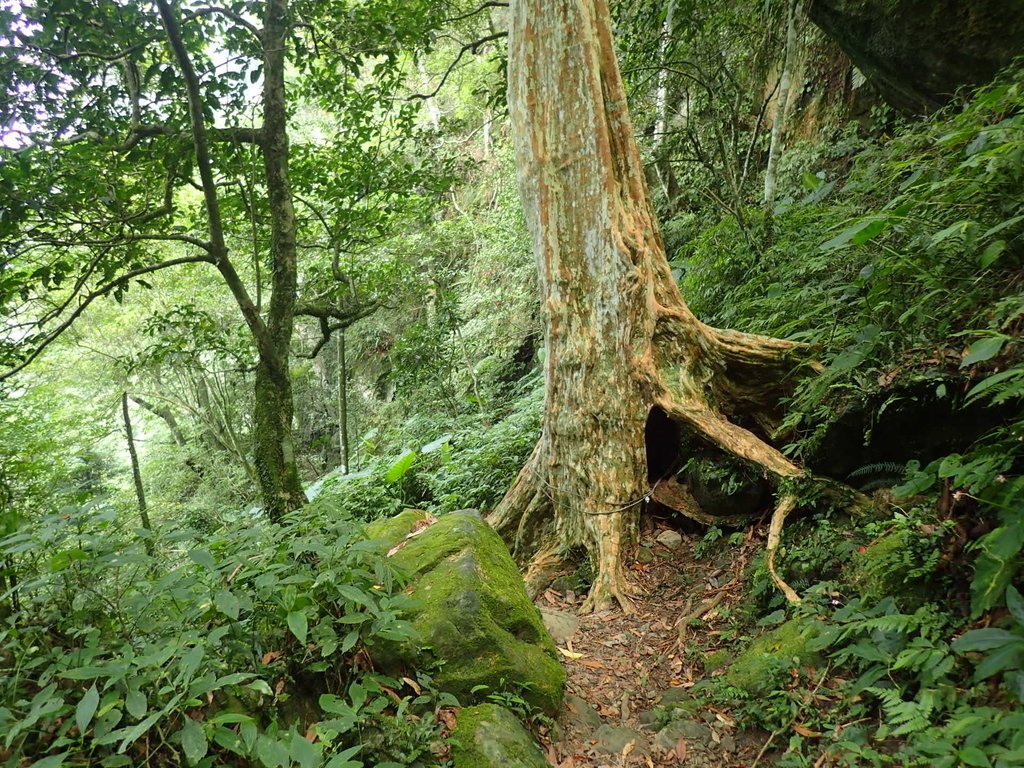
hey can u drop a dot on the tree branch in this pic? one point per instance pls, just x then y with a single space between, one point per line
89 298
228 14
218 247
345 318
474 47
481 9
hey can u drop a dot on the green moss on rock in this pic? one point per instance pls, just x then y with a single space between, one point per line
758 669
489 736
475 625
885 568
392 530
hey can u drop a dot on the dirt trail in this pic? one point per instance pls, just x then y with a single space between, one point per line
628 697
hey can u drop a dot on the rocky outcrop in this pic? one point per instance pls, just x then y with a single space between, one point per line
489 736
918 53
476 630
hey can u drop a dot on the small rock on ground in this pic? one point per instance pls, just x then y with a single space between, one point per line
580 714
671 539
689 730
613 740
561 624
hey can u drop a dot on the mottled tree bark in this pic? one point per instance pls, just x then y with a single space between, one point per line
620 338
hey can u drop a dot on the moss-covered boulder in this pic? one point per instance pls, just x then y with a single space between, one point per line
489 736
766 660
475 625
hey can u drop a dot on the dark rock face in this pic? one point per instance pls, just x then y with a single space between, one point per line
917 53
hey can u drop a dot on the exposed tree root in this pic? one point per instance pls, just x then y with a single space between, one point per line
610 585
540 534
787 504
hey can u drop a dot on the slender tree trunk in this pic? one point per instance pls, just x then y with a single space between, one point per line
274 450
779 123
662 161
621 341
167 415
343 445
140 491
273 410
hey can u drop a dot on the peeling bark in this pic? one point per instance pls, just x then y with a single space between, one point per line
620 338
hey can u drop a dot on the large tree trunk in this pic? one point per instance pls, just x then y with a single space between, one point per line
621 341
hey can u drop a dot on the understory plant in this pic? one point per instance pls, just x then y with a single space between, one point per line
244 646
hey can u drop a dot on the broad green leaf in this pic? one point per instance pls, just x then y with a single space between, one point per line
436 445
974 757
991 254
204 558
1014 682
335 705
982 350
1009 656
402 465
811 181
858 234
959 228
271 752
53 761
984 640
303 752
299 625
193 741
344 759
995 566
132 734
355 594
261 686
994 380
190 662
234 679
87 708
226 603
229 718
84 673
357 694
1015 603
135 703
1003 225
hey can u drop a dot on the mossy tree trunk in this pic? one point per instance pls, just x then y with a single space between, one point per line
274 450
273 410
621 341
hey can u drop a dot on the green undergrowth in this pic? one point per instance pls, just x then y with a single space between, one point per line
900 654
899 258
439 466
237 647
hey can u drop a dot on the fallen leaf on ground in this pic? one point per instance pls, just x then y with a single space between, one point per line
806 732
681 749
569 654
